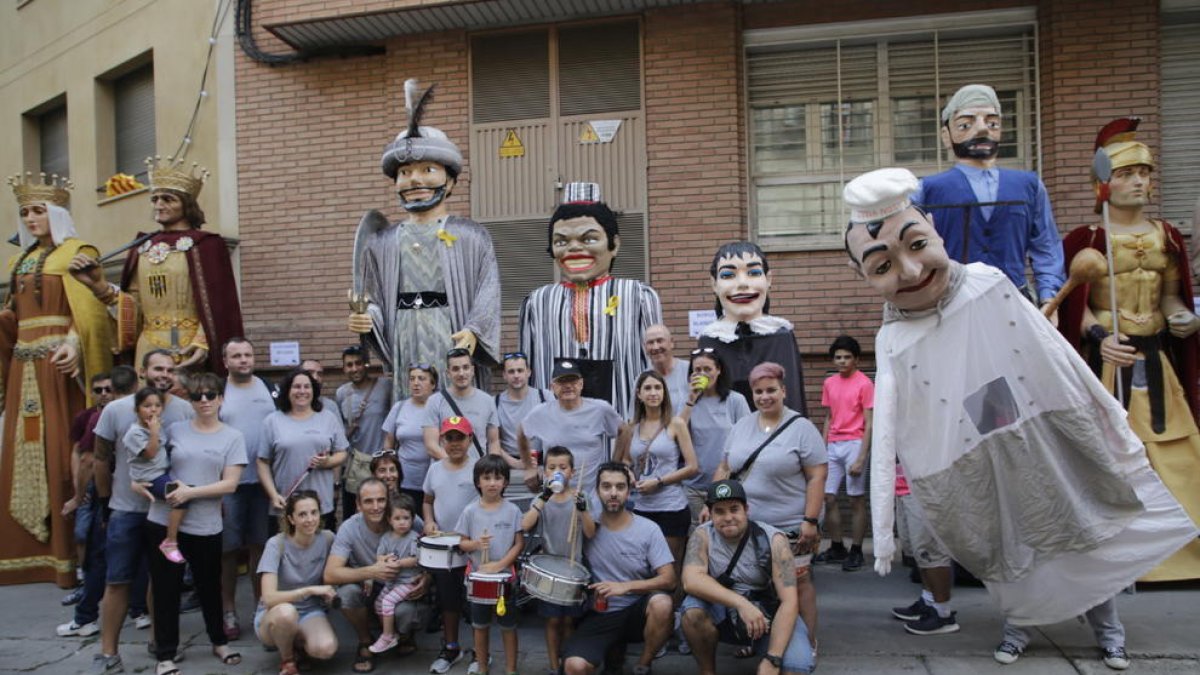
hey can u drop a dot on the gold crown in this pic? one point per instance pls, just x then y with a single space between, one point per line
31 189
170 175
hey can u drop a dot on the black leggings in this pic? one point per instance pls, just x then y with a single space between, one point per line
166 582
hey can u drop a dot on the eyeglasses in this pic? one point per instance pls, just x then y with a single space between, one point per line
458 351
101 390
198 396
703 350
380 453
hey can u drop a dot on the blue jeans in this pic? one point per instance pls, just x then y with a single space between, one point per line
95 568
797 658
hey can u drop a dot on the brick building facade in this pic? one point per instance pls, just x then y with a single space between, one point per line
309 136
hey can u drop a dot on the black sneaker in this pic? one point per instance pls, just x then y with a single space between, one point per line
932 624
830 556
73 597
853 562
1116 658
1007 653
912 612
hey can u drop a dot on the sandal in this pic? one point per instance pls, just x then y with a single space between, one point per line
170 551
384 643
288 667
166 668
231 657
364 660
743 653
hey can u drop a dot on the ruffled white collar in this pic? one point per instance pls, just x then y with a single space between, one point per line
726 330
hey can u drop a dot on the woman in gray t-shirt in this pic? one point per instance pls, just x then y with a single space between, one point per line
293 595
303 445
403 431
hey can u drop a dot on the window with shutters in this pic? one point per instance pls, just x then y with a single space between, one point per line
1180 161
828 104
52 142
133 115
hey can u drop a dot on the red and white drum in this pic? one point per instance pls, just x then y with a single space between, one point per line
487 589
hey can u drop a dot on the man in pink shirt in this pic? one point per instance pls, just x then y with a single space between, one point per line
850 396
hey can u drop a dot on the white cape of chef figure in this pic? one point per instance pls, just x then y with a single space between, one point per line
1007 438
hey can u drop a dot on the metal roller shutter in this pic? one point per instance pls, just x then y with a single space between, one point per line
1180 128
133 110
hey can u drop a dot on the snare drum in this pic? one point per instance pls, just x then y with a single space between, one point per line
487 589
556 580
440 552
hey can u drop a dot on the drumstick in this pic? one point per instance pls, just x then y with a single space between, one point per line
486 549
296 484
573 528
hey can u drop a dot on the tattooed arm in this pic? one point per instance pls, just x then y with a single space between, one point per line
102 452
783 575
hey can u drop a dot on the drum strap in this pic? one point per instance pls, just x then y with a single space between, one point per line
726 578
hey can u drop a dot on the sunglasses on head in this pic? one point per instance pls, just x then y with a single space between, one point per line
198 396
101 390
419 366
703 350
458 351
514 355
381 453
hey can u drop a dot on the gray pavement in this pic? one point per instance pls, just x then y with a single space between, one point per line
857 635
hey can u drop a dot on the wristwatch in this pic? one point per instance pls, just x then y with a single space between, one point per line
812 521
776 661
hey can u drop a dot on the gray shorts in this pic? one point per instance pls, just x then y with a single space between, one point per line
916 537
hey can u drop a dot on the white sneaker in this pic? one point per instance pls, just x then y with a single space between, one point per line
73 629
142 621
476 669
1116 658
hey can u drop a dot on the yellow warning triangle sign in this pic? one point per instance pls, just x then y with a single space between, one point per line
511 146
588 134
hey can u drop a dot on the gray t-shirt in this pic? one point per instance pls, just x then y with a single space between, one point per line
291 443
115 420
753 569
710 423
198 458
452 490
405 422
502 522
402 547
478 408
555 521
632 554
656 458
776 485
144 469
586 431
356 542
296 566
510 413
367 427
245 409
677 385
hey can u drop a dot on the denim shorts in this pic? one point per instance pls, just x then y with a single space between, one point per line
797 658
261 611
83 517
244 516
124 548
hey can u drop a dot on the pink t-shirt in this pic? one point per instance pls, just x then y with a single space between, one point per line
847 398
901 482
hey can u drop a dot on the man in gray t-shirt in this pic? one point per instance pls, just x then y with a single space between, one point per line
633 573
586 430
116 419
473 404
660 348
515 402
364 401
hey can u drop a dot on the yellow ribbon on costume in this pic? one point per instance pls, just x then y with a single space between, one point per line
613 303
446 237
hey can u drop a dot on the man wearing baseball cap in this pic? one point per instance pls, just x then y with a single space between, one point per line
740 580
449 487
584 425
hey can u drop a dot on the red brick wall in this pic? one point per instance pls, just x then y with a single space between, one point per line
1099 61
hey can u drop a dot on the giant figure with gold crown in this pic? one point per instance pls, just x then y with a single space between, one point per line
177 288
53 336
429 282
1156 347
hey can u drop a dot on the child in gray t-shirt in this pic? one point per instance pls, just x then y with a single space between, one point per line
399 544
149 463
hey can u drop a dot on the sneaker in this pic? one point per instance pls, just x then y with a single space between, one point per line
932 624
384 643
642 670
446 660
76 630
477 668
190 603
1007 653
853 561
73 597
662 651
229 623
142 621
911 613
830 556
1116 658
103 665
